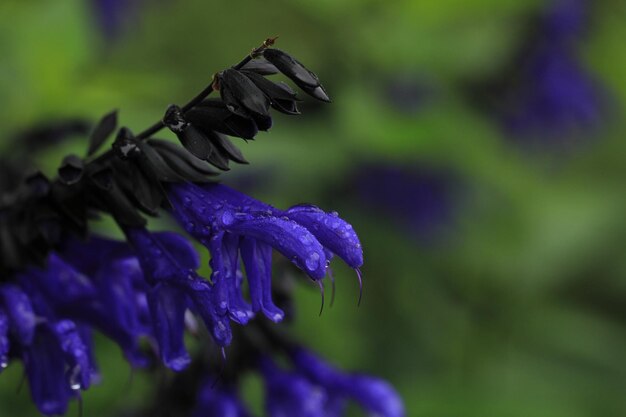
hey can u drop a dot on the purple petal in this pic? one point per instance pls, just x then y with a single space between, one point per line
167 306
240 311
332 232
257 258
290 394
180 248
375 395
20 313
215 401
289 238
4 340
45 369
201 294
76 354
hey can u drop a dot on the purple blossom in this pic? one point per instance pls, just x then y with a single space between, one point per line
169 262
555 95
421 200
56 354
215 401
291 394
112 15
315 388
373 394
228 222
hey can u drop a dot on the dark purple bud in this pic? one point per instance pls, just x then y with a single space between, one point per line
297 72
241 96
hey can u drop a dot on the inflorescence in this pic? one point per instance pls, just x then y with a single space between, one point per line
59 281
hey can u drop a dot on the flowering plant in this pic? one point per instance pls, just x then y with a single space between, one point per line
61 281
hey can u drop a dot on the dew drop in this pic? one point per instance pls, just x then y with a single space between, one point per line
313 261
228 218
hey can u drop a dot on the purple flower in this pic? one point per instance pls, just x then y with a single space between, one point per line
231 224
112 15
555 96
315 388
169 262
420 199
291 394
215 401
373 394
56 353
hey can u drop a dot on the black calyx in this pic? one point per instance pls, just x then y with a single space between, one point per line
244 98
196 132
297 72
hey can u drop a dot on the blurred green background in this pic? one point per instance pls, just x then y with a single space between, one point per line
513 303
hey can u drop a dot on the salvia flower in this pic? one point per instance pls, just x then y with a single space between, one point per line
233 226
373 394
315 388
214 401
555 96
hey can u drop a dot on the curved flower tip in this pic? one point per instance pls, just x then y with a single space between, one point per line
294 241
332 231
234 226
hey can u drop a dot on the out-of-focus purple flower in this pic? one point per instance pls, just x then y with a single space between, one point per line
315 388
421 199
231 224
112 15
214 401
554 95
291 394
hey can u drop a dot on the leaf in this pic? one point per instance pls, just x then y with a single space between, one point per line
103 130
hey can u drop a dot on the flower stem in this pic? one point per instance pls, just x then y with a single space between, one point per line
208 90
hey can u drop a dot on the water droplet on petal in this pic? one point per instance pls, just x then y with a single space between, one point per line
305 239
313 261
228 218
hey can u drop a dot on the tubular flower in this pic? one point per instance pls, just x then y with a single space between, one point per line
233 225
169 263
56 352
315 388
557 95
212 401
373 394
